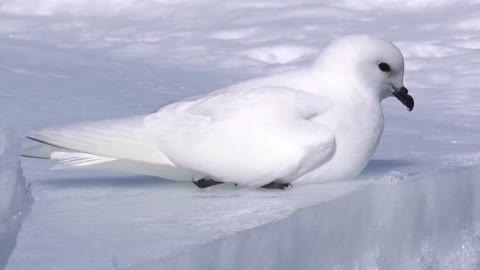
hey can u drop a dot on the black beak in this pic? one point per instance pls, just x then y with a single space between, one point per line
404 97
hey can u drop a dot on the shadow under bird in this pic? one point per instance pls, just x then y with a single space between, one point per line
313 124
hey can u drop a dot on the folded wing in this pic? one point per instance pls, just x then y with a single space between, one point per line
249 137
117 138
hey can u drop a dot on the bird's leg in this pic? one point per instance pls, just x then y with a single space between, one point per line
206 182
276 185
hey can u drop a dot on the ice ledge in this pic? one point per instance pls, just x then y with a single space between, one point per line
15 198
425 222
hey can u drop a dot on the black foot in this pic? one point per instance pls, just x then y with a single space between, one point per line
275 185
206 182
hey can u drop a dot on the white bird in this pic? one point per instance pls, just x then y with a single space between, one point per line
314 124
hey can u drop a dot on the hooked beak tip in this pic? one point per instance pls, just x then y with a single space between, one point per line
405 98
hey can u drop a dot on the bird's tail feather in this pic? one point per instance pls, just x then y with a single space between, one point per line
83 161
124 139
112 145
67 160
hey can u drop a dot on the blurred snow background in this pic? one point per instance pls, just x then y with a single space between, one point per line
415 207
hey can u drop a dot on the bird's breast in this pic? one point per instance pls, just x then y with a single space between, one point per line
357 136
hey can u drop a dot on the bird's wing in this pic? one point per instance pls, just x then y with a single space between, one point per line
249 137
246 136
119 145
122 139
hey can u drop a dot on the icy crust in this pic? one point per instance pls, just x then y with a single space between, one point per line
15 198
430 222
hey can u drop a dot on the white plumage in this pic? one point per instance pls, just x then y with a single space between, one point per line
319 123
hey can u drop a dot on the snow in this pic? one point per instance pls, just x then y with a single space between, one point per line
284 54
395 4
415 207
16 199
387 226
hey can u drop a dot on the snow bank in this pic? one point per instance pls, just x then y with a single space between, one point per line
15 198
280 54
395 4
148 7
85 7
429 222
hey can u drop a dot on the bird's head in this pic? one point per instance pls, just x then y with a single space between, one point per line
374 64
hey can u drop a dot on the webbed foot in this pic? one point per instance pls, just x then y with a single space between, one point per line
206 182
276 185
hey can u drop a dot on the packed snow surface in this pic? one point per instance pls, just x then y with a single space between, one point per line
415 207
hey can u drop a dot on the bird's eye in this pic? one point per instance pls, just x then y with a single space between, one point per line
384 67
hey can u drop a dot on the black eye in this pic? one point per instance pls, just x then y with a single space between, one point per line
384 67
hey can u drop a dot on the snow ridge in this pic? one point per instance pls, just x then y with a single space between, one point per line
418 224
15 200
